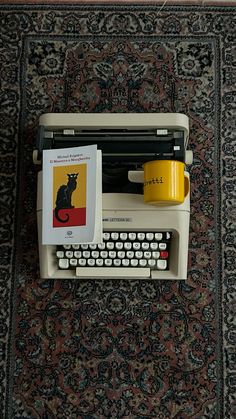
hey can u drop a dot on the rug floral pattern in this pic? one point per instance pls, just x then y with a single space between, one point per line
119 349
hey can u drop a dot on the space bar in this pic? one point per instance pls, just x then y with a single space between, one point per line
113 272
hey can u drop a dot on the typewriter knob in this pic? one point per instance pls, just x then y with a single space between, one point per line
188 157
35 157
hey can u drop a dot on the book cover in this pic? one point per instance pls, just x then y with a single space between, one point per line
72 194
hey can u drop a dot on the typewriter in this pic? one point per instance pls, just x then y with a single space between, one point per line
139 240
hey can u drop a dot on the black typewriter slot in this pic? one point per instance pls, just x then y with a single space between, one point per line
128 147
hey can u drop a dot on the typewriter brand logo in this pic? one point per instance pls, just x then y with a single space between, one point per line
117 219
69 233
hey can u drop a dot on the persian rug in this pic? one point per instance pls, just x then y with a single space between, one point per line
119 349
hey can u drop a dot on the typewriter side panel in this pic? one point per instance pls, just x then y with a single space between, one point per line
47 262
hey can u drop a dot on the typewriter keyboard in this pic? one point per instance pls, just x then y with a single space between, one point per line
120 252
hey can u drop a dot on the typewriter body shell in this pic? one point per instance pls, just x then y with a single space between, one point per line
129 139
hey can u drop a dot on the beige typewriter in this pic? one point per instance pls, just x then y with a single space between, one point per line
139 240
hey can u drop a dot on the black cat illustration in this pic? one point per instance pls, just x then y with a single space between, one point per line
64 194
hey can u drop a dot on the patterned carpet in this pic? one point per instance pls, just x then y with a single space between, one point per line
119 349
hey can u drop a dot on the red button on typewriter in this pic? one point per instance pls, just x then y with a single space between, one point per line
164 255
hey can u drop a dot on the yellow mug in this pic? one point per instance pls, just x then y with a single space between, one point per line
165 182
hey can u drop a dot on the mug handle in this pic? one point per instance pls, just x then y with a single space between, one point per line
186 184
